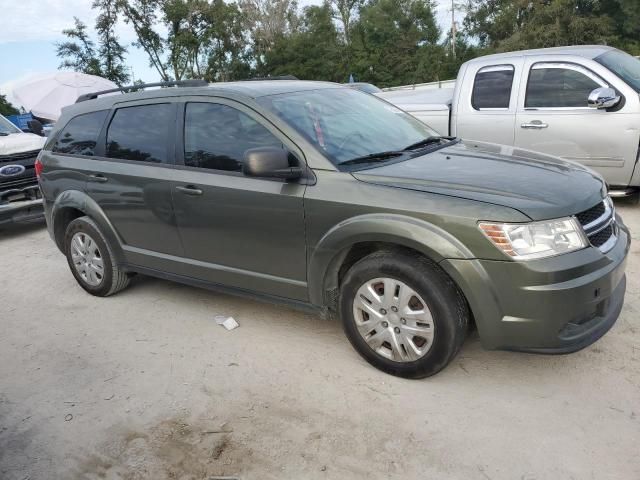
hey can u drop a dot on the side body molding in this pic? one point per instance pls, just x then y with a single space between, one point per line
328 254
78 200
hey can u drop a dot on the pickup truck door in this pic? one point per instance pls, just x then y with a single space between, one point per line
553 118
485 106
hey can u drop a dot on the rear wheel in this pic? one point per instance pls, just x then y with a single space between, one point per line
403 314
90 259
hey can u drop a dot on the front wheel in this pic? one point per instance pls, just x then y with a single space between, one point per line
403 313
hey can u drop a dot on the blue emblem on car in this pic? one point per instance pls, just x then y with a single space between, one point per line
11 170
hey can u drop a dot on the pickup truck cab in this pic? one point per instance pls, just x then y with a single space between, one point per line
579 103
20 197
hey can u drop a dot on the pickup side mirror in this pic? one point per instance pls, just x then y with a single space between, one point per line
269 162
603 97
36 127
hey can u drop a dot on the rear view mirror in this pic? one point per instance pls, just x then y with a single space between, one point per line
269 162
603 97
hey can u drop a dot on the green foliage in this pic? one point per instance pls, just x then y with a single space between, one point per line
6 108
505 25
312 52
396 42
385 42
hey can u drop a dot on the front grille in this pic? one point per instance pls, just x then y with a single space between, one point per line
592 214
600 238
19 156
599 224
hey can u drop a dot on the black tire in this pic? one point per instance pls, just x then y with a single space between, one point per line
447 304
113 278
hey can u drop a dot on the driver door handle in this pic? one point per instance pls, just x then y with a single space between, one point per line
98 178
189 190
535 124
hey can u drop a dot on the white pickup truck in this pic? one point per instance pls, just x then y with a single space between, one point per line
580 103
20 197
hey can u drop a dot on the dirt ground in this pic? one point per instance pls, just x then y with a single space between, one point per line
145 385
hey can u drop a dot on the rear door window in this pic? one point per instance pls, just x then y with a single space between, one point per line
80 135
492 87
555 86
217 136
141 133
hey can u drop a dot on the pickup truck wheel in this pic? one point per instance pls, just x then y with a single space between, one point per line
403 313
90 259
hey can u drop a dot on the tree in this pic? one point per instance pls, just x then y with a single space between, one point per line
344 11
78 53
312 52
110 51
6 108
520 24
396 42
266 23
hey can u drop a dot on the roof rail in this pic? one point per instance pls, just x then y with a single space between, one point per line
277 77
133 88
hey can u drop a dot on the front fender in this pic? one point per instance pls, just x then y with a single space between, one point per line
77 200
424 237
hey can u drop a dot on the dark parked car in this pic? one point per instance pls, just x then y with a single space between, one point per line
363 87
328 198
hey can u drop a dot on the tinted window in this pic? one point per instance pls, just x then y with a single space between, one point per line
623 65
558 87
217 136
79 136
140 133
492 87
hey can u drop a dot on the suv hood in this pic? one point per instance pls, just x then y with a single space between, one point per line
20 142
540 186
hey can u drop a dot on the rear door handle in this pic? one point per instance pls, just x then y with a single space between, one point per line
189 190
535 124
98 178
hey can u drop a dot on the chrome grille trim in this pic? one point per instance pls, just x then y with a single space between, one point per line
604 221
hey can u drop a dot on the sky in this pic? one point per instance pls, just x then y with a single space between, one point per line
31 28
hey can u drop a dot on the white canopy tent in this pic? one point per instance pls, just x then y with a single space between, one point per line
46 95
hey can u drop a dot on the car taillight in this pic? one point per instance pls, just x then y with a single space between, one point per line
38 166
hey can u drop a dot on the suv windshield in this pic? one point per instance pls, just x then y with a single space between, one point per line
6 127
347 124
623 65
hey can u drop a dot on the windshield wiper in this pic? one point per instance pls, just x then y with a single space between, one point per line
4 134
373 157
427 141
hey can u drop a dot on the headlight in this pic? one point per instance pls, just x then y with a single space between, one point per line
524 241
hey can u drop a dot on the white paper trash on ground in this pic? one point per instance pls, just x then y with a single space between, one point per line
227 322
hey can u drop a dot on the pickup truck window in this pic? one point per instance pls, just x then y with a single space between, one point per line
623 65
558 86
79 136
492 87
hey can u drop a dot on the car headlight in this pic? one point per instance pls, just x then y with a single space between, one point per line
525 241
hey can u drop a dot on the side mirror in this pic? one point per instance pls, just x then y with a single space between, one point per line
36 127
269 162
603 97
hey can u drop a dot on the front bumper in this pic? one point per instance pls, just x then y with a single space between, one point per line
555 305
23 204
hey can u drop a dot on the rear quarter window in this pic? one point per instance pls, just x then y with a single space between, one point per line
80 134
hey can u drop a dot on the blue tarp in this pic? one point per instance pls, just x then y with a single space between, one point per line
20 121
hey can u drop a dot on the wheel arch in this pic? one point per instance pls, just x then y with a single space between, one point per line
357 237
73 204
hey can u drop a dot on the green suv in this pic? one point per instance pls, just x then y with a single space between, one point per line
327 198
